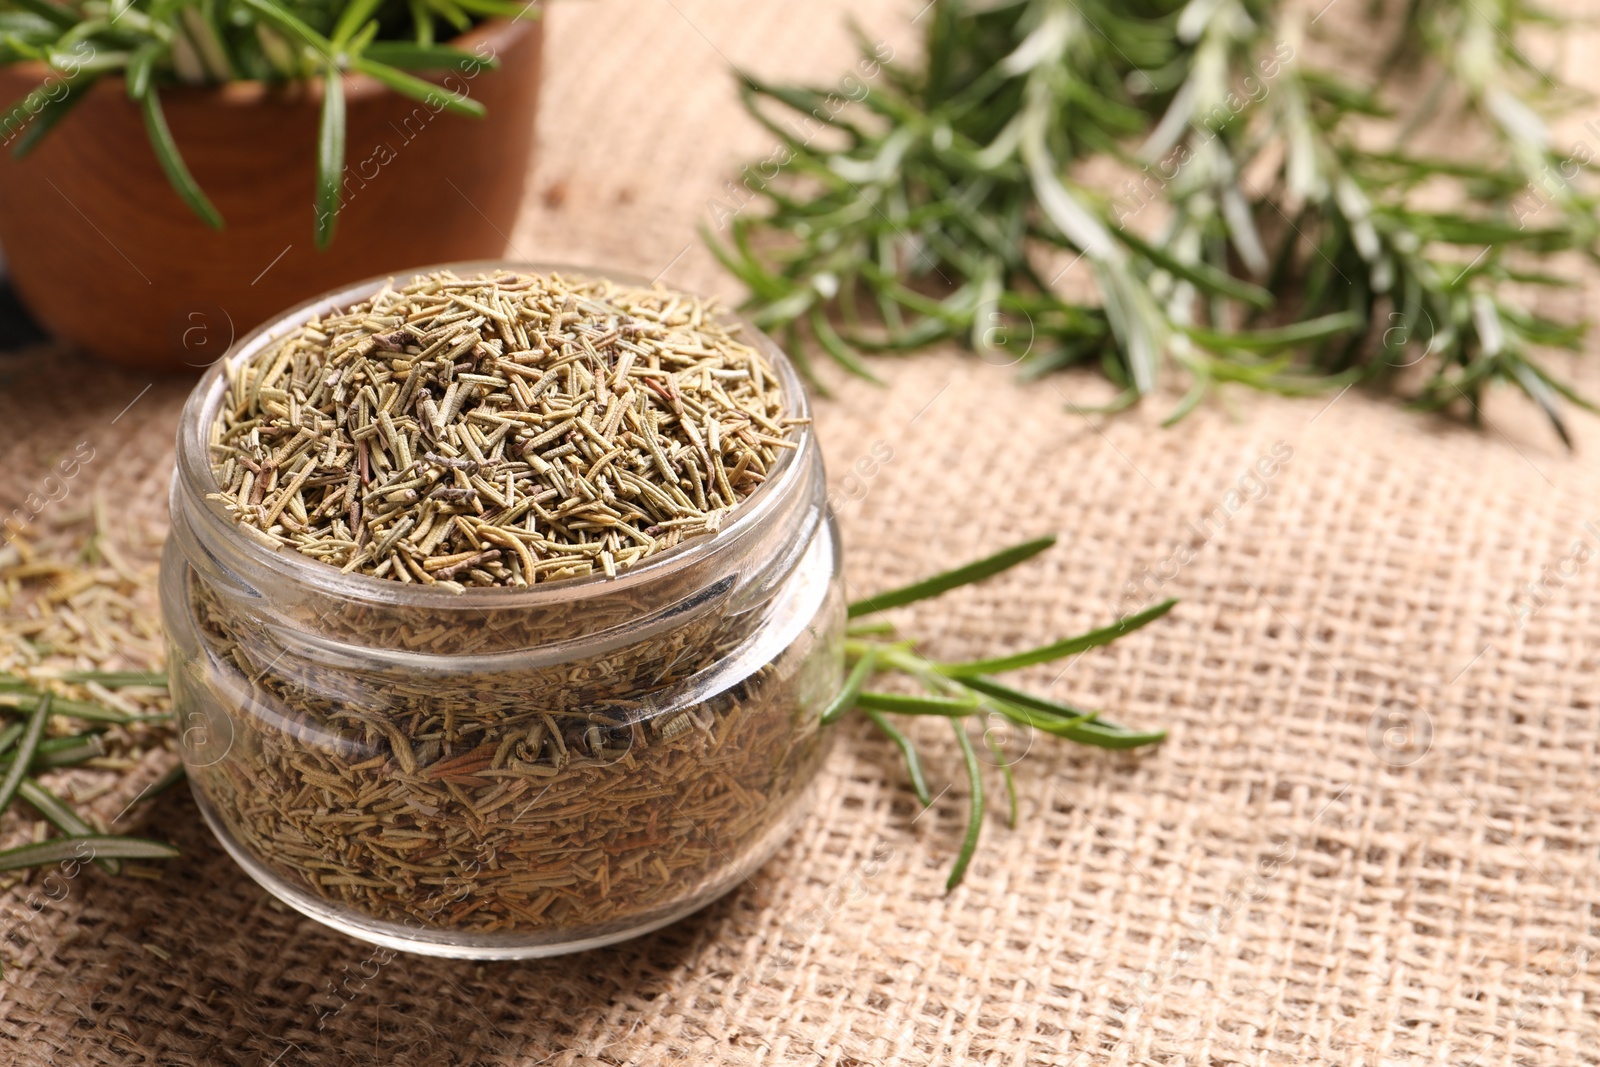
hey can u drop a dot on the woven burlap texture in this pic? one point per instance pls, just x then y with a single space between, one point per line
1373 836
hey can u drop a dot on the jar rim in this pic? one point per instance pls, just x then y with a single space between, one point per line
197 478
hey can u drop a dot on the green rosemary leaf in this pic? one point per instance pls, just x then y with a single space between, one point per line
1107 736
500 8
351 19
990 687
1062 720
741 264
1300 333
1191 399
1563 388
1093 731
364 36
29 743
905 704
293 25
1005 773
785 311
278 57
171 161
406 55
1202 274
9 735
57 812
51 12
451 12
53 112
1271 376
1504 179
1065 647
1049 722
61 752
969 843
77 709
418 89
919 782
835 347
943 583
852 687
1346 97
330 153
100 846
1467 230
136 79
118 679
1541 394
1073 352
25 37
1121 402
20 112
422 22
54 809
198 25
1541 278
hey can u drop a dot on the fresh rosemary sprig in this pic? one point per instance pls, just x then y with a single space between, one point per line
961 690
24 751
1288 249
203 42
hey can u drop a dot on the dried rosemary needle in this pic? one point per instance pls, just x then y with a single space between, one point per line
500 429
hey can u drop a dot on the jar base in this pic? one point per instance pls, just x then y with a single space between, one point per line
498 945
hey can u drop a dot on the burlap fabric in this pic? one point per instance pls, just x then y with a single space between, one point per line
1371 839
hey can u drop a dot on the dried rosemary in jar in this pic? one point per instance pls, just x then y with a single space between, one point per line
502 608
498 429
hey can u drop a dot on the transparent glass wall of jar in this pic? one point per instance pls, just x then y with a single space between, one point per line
503 773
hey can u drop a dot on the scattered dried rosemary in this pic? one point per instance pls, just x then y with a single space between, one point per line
502 429
75 723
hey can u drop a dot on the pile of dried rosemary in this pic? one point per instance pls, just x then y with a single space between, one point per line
502 429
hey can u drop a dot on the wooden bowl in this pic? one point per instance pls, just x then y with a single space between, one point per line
105 255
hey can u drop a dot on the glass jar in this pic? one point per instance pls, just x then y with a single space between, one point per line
503 773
